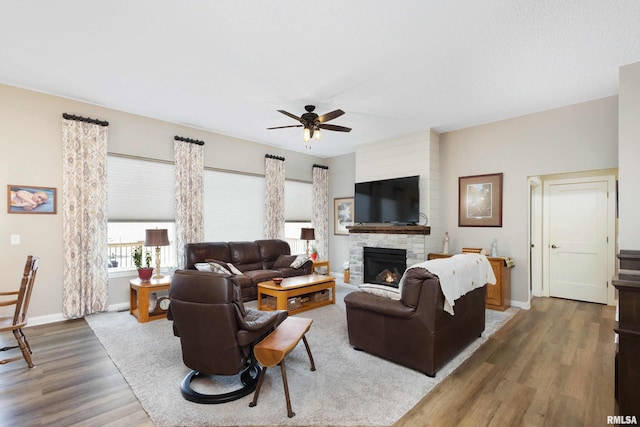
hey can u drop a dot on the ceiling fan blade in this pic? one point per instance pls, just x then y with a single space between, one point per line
290 126
286 113
330 116
334 127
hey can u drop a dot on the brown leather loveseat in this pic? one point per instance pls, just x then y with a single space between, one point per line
415 331
257 261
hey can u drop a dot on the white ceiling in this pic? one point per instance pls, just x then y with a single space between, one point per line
395 68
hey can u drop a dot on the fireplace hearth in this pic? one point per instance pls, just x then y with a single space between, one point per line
384 266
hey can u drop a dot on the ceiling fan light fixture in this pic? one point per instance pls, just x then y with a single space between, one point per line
317 134
306 134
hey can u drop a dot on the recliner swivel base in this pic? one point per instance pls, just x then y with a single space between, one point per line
249 378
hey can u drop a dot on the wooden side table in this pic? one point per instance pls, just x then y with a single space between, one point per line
139 297
318 264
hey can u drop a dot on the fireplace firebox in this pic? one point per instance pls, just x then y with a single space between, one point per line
384 266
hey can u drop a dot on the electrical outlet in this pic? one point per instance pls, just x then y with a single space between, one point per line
15 239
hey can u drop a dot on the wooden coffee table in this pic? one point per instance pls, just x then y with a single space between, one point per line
303 287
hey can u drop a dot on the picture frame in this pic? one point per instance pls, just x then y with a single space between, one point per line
342 215
29 199
480 200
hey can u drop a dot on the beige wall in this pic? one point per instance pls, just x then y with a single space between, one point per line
31 154
341 179
629 157
580 137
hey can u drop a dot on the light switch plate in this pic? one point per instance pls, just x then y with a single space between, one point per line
15 239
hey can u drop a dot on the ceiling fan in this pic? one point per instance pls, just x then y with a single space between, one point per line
312 123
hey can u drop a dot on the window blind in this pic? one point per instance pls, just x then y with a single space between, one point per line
233 206
297 202
140 190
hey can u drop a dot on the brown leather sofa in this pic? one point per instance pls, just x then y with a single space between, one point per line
258 261
415 331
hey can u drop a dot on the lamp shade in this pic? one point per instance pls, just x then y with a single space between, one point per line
156 237
307 234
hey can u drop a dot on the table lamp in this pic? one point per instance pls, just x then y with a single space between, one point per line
157 237
307 234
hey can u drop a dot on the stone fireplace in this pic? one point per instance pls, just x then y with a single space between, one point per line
411 240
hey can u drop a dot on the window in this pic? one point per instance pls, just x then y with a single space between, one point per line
140 196
233 206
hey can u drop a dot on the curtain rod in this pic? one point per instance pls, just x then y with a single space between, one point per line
271 156
192 141
321 166
84 119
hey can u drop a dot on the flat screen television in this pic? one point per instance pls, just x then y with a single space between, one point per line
394 200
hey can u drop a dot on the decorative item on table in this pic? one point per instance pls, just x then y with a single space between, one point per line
277 280
494 247
144 273
445 247
307 234
153 302
314 253
157 237
480 251
347 272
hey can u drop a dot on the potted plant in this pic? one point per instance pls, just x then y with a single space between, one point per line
314 253
144 273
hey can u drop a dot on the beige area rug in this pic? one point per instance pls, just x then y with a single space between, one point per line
348 388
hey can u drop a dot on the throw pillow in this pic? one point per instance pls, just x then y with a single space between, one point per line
299 261
217 268
233 269
380 290
221 266
202 266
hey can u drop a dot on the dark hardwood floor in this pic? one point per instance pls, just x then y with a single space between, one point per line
74 383
549 366
552 365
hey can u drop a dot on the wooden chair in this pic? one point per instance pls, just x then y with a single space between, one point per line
16 322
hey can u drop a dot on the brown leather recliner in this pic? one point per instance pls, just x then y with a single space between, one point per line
415 331
216 331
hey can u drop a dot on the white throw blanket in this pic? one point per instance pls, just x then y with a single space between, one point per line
458 275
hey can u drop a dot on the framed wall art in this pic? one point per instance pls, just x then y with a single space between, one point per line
342 214
480 200
25 199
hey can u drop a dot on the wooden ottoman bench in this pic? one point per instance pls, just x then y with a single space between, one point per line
272 350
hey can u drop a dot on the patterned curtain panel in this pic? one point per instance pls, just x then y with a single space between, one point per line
274 197
320 210
189 193
84 218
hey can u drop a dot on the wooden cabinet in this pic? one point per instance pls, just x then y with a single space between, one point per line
627 368
498 295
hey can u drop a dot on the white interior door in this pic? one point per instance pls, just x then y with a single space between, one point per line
578 242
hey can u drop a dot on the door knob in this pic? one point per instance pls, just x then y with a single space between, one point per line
554 247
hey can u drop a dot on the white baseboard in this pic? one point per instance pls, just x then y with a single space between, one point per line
58 317
522 305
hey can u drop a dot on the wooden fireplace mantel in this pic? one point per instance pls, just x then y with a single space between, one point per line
390 229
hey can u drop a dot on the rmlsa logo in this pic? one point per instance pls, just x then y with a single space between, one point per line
622 419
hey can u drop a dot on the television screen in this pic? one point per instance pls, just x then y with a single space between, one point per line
394 200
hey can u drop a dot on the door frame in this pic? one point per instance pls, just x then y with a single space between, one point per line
534 237
543 290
